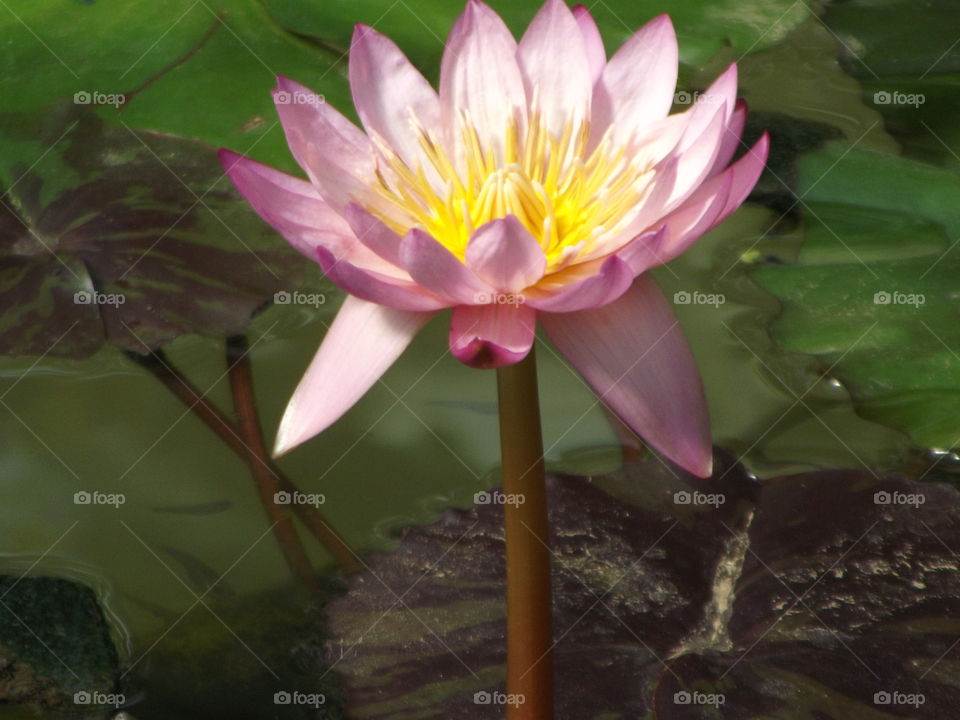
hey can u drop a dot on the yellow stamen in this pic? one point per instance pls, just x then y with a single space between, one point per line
566 196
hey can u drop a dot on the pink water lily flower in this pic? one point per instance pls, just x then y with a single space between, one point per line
539 184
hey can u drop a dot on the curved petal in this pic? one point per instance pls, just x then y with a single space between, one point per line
438 270
479 75
634 356
363 341
294 208
746 171
613 280
373 233
390 93
556 70
503 253
377 287
695 157
731 137
596 54
637 85
334 152
491 336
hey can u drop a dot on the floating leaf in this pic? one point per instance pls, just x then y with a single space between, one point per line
801 596
127 237
874 290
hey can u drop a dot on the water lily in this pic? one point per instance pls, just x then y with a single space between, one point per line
539 185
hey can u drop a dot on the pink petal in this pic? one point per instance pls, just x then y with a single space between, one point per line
503 253
334 152
634 356
373 233
556 70
696 153
731 137
604 286
491 336
637 85
479 75
294 208
746 171
389 92
596 54
363 341
438 270
376 287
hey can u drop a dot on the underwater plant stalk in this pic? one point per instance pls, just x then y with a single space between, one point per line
225 428
527 533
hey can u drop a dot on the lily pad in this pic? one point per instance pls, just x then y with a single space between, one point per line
804 596
873 291
127 237
421 28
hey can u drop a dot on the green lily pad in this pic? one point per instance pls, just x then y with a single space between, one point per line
907 58
873 290
815 596
421 28
126 237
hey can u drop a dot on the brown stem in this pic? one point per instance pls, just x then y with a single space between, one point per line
268 487
230 434
527 532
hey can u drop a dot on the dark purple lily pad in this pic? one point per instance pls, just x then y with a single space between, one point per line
806 596
125 236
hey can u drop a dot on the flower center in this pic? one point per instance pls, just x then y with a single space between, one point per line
566 196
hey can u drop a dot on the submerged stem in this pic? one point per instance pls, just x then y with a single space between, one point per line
227 430
527 532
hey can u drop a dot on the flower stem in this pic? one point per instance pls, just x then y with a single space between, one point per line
178 384
527 533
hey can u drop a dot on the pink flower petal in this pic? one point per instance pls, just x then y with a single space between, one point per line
556 70
634 356
637 85
294 208
731 137
596 54
363 341
376 287
389 92
491 336
746 171
438 270
504 254
605 286
373 233
696 153
334 152
479 75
